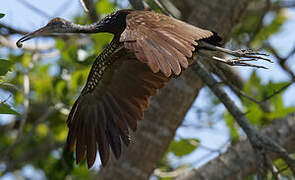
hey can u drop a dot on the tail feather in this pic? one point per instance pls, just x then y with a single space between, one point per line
214 40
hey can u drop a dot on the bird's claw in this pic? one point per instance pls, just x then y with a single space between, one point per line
253 54
243 62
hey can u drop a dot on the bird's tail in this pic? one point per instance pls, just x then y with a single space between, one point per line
213 40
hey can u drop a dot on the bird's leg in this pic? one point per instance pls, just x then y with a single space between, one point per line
232 61
242 57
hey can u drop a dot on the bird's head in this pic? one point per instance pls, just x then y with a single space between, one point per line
54 26
114 23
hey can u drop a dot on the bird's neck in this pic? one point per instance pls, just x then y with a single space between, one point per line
114 23
91 28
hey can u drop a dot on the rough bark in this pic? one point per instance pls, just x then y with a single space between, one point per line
239 161
168 108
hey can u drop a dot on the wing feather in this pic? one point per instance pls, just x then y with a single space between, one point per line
101 119
156 46
162 42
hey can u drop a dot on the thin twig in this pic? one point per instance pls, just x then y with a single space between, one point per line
259 25
272 168
34 8
62 8
163 8
82 2
277 91
282 61
90 9
10 30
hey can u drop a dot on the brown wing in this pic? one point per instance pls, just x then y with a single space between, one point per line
162 42
100 119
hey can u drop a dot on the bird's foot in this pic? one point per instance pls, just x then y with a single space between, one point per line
240 61
252 54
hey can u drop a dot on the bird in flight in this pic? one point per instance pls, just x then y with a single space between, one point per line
148 49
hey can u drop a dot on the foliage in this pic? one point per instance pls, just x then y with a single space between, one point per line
183 147
5 66
258 114
6 109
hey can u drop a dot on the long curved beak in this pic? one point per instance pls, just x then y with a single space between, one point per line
42 31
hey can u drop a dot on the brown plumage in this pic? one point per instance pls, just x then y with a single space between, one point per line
146 50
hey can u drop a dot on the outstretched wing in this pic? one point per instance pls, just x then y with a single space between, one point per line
120 87
101 118
162 42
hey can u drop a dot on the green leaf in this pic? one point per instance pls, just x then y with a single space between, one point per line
4 66
61 89
79 77
273 28
105 7
233 128
183 147
6 109
1 15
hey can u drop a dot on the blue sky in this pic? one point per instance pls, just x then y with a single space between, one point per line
20 17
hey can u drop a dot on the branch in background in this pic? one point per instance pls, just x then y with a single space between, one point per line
163 9
275 6
11 30
239 160
89 8
32 155
259 25
137 4
274 171
259 143
35 9
282 61
62 8
171 8
80 39
41 47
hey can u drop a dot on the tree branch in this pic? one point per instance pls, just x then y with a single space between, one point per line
89 8
239 160
41 47
11 30
137 4
32 155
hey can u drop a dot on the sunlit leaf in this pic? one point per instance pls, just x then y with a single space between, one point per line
183 147
61 88
4 66
272 28
6 109
42 129
61 135
79 78
105 7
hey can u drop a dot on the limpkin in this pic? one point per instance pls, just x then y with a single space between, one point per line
147 50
